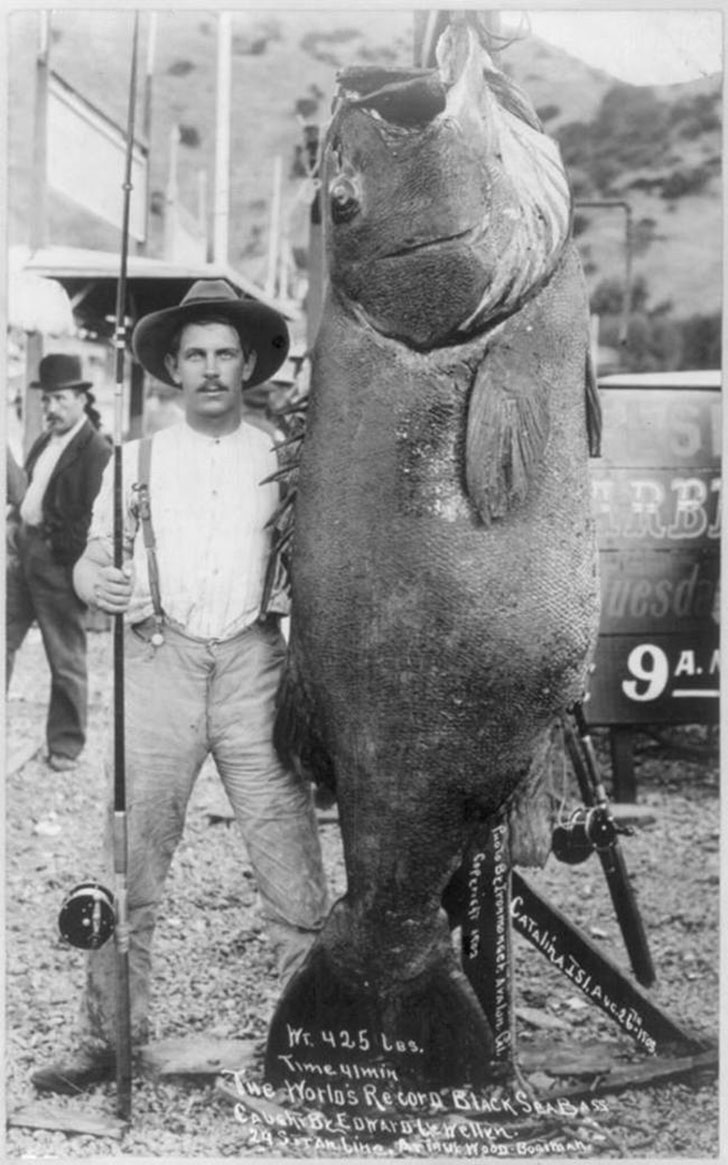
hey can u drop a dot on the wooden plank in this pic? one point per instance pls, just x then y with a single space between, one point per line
66 1120
652 1071
487 936
197 1056
593 973
544 1055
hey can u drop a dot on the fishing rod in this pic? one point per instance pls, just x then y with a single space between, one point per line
121 931
90 913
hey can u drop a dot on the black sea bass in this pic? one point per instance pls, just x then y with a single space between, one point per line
445 600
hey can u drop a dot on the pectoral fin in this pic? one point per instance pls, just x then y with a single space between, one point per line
508 423
593 409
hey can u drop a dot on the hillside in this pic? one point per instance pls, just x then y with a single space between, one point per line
657 148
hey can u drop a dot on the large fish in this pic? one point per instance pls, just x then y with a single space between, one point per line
445 597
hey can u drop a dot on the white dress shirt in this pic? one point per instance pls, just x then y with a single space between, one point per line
208 512
31 508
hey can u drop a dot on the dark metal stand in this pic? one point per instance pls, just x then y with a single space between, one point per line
624 782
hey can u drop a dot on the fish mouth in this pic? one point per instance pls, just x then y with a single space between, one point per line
513 212
464 236
402 99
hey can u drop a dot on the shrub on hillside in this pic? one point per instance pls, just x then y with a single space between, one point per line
632 113
189 136
701 342
307 107
644 233
180 68
630 131
548 112
653 344
250 46
377 55
608 296
685 181
698 114
573 139
312 43
656 340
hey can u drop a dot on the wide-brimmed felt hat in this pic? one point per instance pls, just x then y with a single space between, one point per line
59 370
261 328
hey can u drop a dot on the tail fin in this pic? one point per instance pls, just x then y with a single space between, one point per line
429 1031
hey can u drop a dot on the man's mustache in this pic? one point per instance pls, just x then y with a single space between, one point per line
212 383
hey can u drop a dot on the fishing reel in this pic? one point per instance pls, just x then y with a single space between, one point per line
585 831
87 917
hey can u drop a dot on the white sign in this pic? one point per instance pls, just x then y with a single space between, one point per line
86 159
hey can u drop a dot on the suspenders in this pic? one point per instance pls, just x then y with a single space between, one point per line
145 516
141 488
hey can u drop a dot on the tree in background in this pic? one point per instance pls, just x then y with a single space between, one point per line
701 336
656 341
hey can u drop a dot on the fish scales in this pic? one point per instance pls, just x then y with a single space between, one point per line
445 595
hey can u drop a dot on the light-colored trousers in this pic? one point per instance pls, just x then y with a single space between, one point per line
183 701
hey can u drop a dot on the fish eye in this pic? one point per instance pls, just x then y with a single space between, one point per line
344 199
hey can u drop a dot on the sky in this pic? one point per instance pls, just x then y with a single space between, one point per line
658 47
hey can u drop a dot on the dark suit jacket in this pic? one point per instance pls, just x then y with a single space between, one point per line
74 483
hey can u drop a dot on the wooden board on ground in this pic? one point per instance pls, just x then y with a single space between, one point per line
197 1056
66 1120
542 1055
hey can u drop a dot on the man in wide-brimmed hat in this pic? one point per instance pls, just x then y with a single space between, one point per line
202 659
46 534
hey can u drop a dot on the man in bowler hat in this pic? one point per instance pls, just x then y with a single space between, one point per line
202 659
46 535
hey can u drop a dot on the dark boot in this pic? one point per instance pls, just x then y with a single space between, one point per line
77 1073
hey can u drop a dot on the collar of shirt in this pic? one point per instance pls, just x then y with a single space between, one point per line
63 439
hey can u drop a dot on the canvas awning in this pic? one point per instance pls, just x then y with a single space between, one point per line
90 280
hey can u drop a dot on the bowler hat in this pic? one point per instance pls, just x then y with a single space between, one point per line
59 370
260 328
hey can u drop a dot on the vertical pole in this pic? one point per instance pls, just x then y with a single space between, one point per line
170 196
121 933
32 408
40 137
316 258
627 305
621 746
147 117
283 264
222 140
202 212
275 226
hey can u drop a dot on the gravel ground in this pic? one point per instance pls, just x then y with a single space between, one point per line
214 970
